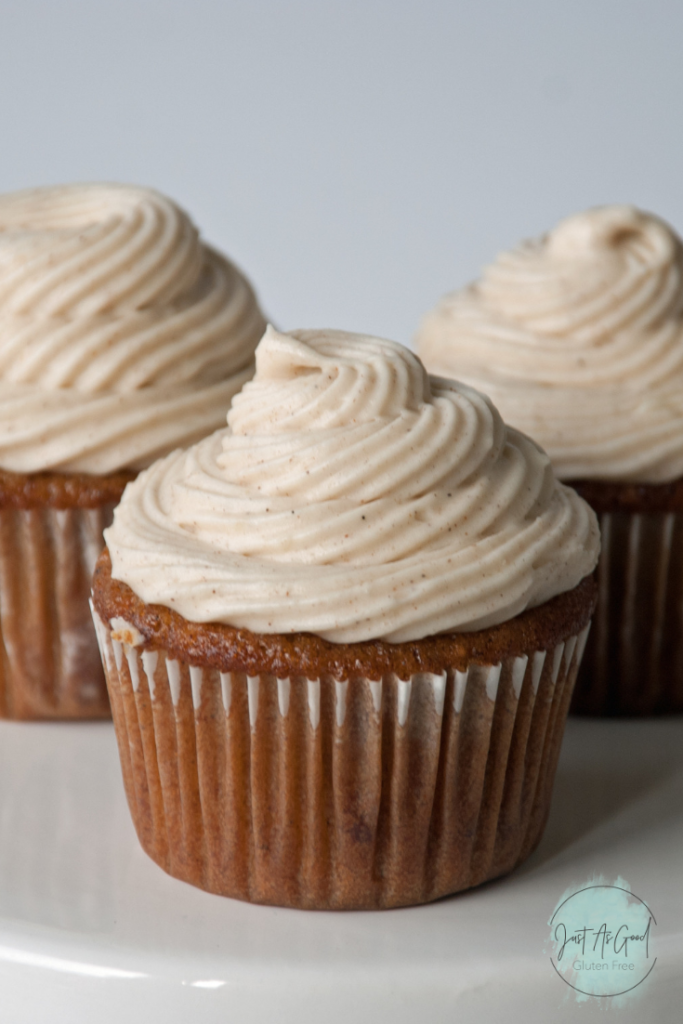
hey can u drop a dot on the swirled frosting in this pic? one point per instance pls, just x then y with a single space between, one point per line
578 339
122 335
354 497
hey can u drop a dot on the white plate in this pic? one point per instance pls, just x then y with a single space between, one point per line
92 931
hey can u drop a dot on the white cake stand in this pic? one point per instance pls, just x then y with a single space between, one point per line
92 931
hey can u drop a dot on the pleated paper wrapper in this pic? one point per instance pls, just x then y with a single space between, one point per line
319 793
634 658
50 665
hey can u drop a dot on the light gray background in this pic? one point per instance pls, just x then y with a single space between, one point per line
356 157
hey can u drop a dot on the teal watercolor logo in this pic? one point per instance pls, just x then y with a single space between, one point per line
601 938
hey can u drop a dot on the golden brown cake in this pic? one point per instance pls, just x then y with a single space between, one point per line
341 635
121 337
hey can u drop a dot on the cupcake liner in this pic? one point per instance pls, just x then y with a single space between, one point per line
328 794
634 659
50 665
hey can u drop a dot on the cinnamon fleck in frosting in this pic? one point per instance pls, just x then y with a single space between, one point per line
354 497
577 336
122 335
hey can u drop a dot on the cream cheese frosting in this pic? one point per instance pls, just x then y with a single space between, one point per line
122 335
355 497
578 338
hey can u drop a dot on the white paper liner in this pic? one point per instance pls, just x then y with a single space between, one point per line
50 665
321 793
634 659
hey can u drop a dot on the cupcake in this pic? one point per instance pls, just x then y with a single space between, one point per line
341 635
122 336
578 339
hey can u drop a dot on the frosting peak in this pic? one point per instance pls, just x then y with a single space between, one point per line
596 273
83 250
621 232
578 337
354 497
121 334
327 380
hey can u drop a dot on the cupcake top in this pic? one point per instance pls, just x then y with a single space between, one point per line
578 338
354 497
122 335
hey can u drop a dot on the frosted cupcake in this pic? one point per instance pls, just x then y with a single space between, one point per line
341 634
122 336
578 339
